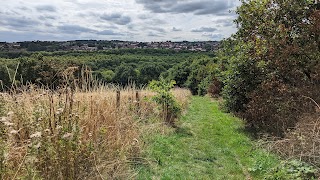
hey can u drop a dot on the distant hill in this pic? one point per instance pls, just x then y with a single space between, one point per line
95 45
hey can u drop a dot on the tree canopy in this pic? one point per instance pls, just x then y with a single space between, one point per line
272 62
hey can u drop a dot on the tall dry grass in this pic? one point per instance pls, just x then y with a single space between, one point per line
302 142
75 133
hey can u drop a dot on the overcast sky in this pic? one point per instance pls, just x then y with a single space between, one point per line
133 20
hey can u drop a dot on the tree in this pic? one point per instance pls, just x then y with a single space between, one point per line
149 72
125 74
273 61
107 75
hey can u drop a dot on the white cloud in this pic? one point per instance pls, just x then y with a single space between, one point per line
137 20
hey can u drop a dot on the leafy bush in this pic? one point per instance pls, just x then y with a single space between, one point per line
215 87
240 78
272 62
165 99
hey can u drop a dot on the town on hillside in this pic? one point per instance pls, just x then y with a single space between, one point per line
95 45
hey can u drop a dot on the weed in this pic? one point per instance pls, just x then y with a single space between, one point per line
292 170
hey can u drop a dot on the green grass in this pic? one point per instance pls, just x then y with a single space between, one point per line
209 145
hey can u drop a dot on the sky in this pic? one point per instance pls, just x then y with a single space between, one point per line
128 20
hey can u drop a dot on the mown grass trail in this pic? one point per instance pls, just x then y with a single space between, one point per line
209 145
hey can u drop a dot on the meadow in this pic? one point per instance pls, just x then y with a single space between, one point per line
76 133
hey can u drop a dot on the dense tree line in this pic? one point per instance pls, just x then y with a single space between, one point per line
195 74
114 66
268 71
270 68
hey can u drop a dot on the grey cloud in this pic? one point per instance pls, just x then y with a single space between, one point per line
44 18
131 27
224 22
176 29
204 29
23 8
87 5
197 7
48 25
152 34
177 37
10 36
108 33
157 21
18 22
213 36
46 8
151 20
116 18
103 26
160 30
143 16
71 29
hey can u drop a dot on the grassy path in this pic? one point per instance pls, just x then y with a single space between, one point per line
209 145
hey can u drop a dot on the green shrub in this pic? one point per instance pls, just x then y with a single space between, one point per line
165 99
271 63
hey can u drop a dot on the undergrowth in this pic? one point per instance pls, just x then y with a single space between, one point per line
74 133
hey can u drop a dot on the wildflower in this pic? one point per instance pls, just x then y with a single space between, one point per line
59 127
10 113
36 135
135 141
67 136
37 146
3 119
14 131
59 111
7 123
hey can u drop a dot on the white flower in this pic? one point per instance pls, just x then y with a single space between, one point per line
10 113
59 111
7 123
3 119
37 146
14 132
36 135
67 136
135 141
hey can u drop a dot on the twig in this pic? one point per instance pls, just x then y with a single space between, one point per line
312 101
15 74
24 158
95 163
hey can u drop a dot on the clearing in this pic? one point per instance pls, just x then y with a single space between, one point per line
209 145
